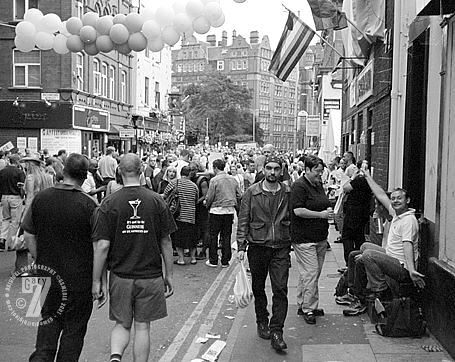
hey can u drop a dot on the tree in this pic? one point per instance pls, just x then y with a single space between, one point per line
225 104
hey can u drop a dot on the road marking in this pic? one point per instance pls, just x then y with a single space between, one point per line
207 326
191 321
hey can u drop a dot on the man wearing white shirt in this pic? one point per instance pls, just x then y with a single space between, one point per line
398 260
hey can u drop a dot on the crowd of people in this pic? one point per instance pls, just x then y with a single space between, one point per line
280 203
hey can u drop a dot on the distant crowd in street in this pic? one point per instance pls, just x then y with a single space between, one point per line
86 216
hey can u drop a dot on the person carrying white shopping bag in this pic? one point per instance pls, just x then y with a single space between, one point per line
264 225
243 293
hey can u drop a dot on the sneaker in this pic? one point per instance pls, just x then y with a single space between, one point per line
208 263
346 299
355 308
342 270
225 265
309 317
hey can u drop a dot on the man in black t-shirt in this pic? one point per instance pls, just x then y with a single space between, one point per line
58 232
356 213
132 234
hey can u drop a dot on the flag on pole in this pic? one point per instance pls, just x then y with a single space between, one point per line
294 41
326 15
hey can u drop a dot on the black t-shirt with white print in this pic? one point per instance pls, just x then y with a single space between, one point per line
134 220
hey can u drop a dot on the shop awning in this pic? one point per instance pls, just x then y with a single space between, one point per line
438 7
113 129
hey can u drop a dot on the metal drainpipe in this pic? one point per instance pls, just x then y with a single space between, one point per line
395 96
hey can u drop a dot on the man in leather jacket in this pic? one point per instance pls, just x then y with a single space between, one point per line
264 223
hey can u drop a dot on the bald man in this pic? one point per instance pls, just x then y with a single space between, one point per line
133 227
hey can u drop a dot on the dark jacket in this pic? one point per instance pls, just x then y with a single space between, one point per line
260 225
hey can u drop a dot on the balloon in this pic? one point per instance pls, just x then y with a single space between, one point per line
148 14
60 44
151 29
123 49
194 8
182 23
33 15
134 22
44 40
170 36
25 28
90 18
74 43
24 44
104 24
164 15
218 22
201 25
119 34
104 44
63 30
213 11
119 19
137 42
91 49
155 45
74 25
88 34
50 23
179 6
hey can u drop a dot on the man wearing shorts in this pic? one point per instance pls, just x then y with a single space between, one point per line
132 234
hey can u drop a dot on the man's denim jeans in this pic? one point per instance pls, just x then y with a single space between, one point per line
12 212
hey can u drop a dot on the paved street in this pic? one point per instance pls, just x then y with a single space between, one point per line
203 304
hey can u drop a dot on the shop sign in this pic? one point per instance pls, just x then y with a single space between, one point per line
61 139
126 133
313 123
50 96
331 104
365 83
92 119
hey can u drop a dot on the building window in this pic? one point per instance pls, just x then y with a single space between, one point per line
157 95
21 6
220 65
104 80
123 87
233 67
146 91
201 67
245 64
112 82
96 77
239 64
179 68
278 91
27 69
80 71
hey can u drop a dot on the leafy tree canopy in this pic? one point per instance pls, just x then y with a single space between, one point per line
225 104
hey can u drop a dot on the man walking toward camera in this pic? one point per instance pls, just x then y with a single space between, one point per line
264 221
132 234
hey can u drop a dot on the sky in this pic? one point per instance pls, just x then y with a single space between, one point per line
268 17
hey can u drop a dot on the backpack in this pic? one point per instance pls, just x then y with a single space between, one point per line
402 317
342 285
173 201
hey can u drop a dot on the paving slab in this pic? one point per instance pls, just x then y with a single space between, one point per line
337 353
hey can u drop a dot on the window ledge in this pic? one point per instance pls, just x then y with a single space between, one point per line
25 88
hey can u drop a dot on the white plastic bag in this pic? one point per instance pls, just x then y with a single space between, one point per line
243 293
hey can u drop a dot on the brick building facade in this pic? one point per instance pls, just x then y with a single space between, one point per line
72 101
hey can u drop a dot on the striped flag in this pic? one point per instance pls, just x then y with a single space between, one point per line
294 41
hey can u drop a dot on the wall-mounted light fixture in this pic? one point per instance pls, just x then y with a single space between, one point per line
16 102
47 103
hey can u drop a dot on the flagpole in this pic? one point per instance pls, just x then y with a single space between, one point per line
320 37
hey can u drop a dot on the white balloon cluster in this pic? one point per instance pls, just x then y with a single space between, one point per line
93 34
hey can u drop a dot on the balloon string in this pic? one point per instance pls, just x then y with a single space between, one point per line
7 25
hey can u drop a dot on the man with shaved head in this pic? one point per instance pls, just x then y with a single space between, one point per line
132 236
